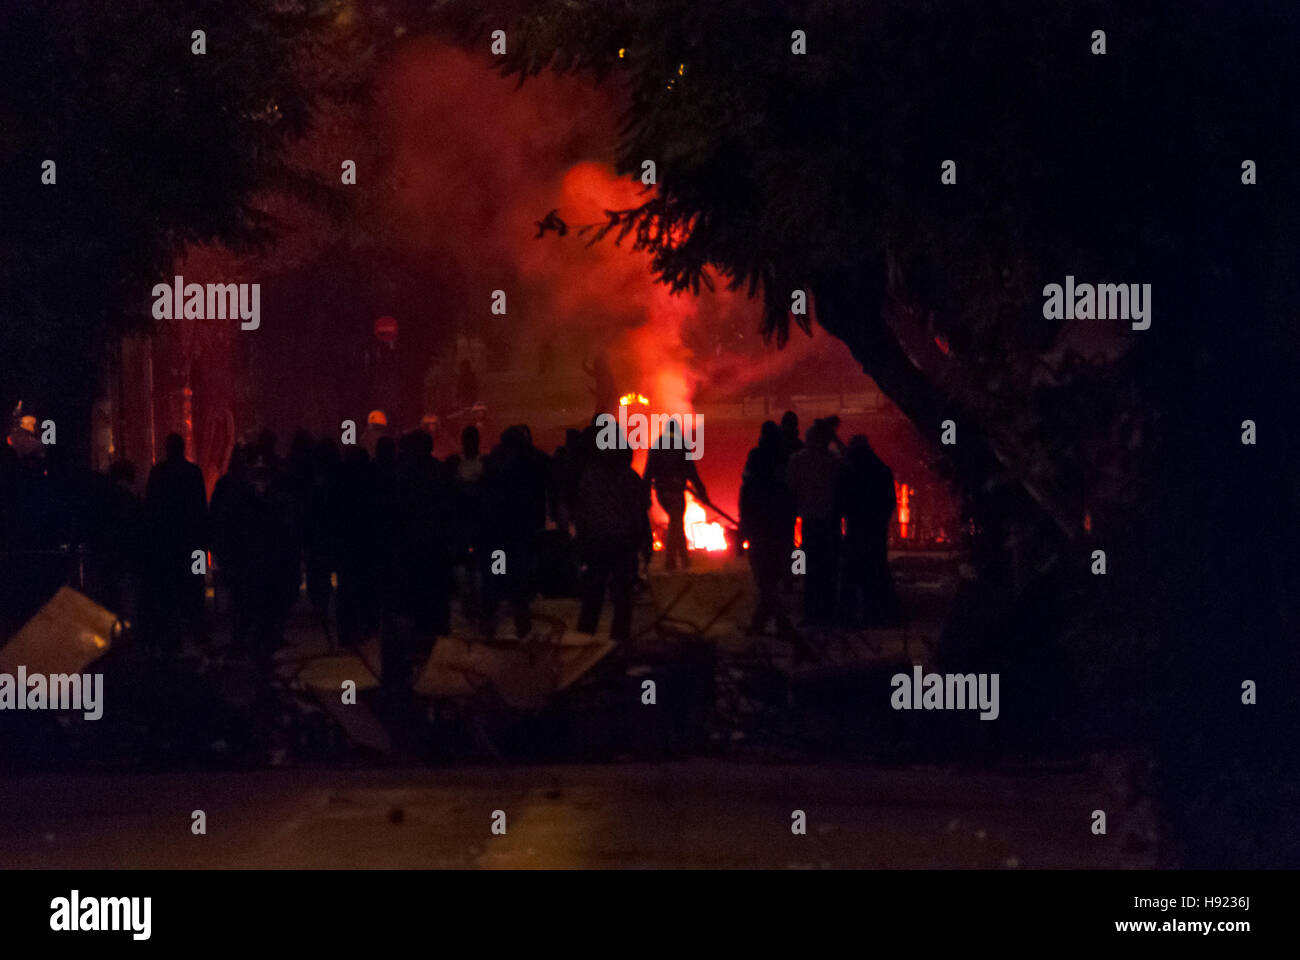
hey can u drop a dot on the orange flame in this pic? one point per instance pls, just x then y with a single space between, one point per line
700 533
904 492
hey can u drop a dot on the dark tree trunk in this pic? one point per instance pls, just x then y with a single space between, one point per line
850 308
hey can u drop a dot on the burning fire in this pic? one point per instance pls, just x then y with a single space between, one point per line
700 533
904 493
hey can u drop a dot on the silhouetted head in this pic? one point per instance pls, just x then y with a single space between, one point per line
790 424
671 438
240 455
266 441
326 453
300 445
769 436
406 445
606 456
572 439
469 441
818 435
174 446
261 475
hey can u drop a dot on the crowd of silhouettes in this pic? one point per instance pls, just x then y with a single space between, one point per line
844 499
385 540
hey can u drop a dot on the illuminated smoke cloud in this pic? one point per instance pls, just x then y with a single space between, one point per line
475 164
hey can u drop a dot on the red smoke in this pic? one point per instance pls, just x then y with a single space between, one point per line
605 289
476 163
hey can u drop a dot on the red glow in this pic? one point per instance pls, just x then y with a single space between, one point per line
903 492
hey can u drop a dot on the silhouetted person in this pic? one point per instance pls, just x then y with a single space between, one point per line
295 476
790 442
867 500
385 520
353 512
233 516
466 471
565 471
832 425
767 523
611 506
540 465
514 510
424 510
811 475
669 471
176 514
38 523
417 609
274 568
264 448
318 543
790 445
468 464
117 540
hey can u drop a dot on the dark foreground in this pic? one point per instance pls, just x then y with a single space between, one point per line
694 814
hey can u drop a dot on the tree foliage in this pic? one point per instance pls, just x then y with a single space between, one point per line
156 148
